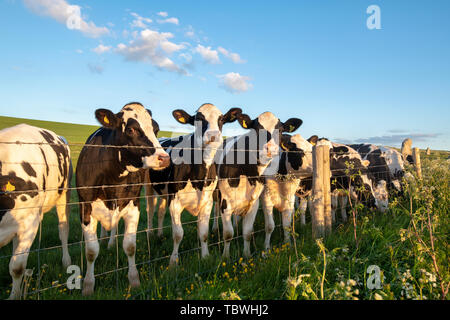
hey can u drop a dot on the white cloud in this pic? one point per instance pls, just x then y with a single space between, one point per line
101 49
209 55
139 22
169 20
70 15
162 14
153 47
235 83
79 51
230 55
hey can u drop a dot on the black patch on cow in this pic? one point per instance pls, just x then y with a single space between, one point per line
62 154
223 204
28 169
47 168
21 187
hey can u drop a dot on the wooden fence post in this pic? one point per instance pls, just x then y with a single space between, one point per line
417 164
321 197
327 189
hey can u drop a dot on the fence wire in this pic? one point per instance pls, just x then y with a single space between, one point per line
336 173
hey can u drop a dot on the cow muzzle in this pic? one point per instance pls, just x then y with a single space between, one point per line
212 136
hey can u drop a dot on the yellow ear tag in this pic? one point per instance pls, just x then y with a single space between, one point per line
291 128
244 124
105 120
313 143
283 146
182 119
9 187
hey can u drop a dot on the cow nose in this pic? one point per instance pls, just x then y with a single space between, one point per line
212 136
164 159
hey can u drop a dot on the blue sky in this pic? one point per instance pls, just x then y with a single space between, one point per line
294 58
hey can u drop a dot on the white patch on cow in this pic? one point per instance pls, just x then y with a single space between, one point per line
123 174
381 196
141 115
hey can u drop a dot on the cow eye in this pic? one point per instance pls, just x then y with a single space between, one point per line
131 131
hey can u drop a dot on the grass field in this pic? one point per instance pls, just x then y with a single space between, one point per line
409 243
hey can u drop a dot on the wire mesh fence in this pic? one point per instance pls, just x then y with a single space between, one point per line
45 253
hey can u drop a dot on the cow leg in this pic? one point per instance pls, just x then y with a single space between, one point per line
269 224
63 211
151 201
236 219
112 237
286 217
21 245
228 231
103 234
92 249
161 213
203 226
247 227
215 226
177 229
334 205
131 219
343 203
302 207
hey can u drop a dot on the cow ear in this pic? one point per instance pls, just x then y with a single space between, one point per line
313 140
245 121
292 124
107 118
183 117
148 110
231 115
155 127
285 142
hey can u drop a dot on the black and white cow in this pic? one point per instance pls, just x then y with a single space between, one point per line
386 164
34 178
242 163
188 183
109 179
294 167
345 163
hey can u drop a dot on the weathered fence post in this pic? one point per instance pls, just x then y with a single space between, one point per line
428 151
417 164
406 148
321 197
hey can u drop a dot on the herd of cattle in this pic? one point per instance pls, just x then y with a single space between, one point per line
190 172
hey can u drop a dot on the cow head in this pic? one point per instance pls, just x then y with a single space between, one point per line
134 127
298 152
266 130
208 122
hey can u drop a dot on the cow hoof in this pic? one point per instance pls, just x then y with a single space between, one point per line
88 287
173 261
134 280
66 262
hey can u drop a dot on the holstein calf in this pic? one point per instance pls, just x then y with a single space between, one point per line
34 178
294 165
109 179
188 183
241 166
